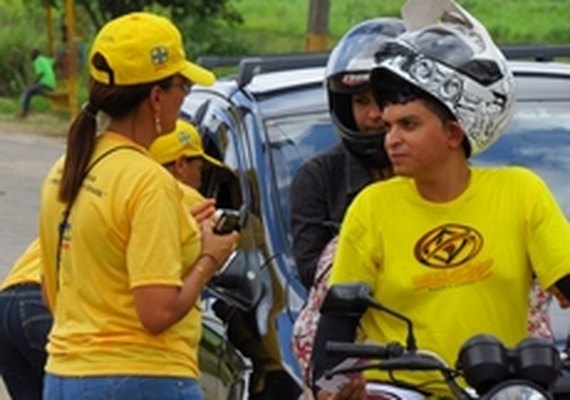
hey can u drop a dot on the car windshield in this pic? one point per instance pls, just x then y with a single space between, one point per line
538 138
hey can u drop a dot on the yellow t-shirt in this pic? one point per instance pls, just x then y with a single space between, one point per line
26 269
190 196
125 230
455 269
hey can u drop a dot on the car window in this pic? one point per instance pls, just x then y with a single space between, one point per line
293 140
218 135
538 138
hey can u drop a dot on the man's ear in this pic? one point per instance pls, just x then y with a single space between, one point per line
455 133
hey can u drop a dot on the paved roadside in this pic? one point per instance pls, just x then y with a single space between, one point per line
24 159
26 152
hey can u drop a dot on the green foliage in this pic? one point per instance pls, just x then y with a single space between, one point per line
8 106
281 26
251 26
100 11
17 40
208 27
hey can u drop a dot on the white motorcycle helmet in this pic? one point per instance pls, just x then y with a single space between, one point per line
449 54
348 73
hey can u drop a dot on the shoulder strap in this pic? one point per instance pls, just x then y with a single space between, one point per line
67 211
105 154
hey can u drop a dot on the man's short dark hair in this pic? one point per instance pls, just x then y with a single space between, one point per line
388 88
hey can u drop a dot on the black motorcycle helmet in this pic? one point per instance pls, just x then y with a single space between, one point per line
347 73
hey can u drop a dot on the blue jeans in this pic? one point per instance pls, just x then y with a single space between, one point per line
31 91
24 325
121 388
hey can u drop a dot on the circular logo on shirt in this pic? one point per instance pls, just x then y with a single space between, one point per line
448 246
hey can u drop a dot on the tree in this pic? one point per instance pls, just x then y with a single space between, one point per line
318 28
206 25
101 11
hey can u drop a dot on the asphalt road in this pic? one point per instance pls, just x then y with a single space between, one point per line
24 160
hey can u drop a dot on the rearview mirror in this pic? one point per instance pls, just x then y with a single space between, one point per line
238 284
352 299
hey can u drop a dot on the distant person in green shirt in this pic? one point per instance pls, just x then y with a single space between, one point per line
44 82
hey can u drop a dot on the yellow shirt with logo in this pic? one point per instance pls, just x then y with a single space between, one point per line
26 269
455 269
125 231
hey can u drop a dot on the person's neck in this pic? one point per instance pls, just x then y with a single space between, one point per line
135 129
445 186
381 174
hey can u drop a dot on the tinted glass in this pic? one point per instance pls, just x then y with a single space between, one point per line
538 138
293 140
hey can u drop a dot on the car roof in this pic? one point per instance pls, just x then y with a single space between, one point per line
271 89
544 81
540 66
266 83
276 93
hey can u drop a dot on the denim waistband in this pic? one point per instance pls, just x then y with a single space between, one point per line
22 285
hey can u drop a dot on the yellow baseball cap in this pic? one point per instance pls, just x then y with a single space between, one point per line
184 141
141 48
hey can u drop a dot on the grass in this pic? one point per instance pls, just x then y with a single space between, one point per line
8 106
40 120
281 26
41 123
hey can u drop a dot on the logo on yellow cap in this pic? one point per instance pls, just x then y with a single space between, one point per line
159 56
184 138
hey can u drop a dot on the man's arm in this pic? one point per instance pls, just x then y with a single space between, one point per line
309 217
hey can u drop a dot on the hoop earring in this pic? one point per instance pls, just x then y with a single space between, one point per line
157 124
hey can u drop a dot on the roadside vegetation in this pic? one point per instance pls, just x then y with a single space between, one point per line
282 25
227 27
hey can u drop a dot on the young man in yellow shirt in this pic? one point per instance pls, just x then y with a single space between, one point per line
458 254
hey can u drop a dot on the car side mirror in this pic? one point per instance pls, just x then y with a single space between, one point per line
238 284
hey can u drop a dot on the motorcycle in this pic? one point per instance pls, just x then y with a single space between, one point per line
533 370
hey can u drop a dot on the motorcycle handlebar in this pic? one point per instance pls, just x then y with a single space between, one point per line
359 350
393 357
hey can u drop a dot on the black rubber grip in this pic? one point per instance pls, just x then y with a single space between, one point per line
357 350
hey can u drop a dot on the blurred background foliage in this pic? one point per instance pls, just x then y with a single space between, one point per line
230 27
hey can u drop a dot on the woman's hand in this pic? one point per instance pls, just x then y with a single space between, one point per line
204 211
220 247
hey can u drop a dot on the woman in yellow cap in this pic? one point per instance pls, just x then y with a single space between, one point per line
123 262
182 153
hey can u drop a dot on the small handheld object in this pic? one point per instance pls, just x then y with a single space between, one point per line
227 220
